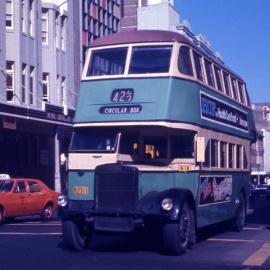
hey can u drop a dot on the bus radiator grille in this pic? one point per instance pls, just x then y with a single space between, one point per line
116 188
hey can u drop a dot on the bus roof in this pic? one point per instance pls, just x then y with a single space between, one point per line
139 36
148 36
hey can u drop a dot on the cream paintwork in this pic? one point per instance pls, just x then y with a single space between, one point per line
89 161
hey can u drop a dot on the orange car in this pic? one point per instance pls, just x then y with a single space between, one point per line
25 197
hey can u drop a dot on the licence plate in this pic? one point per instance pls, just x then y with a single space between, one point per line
80 190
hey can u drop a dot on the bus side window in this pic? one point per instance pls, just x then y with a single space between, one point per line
198 65
207 155
182 146
184 61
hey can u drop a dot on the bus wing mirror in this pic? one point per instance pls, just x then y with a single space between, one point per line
200 157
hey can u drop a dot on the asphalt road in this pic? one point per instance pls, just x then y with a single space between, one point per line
29 243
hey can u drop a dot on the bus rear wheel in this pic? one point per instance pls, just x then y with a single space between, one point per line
75 235
176 236
238 222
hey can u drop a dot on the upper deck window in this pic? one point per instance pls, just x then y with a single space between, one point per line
198 65
108 62
226 83
209 72
184 61
234 88
241 91
218 78
150 59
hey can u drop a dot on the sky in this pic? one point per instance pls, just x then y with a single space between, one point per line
240 31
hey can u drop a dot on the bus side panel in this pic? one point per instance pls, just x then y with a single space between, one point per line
81 185
153 181
213 212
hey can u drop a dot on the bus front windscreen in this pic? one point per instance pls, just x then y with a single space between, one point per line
93 141
150 59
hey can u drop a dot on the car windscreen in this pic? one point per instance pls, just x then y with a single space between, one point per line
6 185
107 62
150 59
93 141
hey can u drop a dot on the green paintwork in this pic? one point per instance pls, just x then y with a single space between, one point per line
162 99
160 181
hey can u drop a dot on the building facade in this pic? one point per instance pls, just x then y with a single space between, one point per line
260 151
2 52
35 113
143 14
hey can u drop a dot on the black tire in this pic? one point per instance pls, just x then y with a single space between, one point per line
238 222
1 215
75 235
177 236
47 212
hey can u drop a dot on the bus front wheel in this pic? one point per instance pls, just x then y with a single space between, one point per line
176 236
75 235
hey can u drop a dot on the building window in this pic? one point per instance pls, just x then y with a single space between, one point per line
31 17
23 16
31 85
63 33
9 13
63 91
10 80
57 30
23 82
44 27
45 87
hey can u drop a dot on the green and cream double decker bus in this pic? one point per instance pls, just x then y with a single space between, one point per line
162 135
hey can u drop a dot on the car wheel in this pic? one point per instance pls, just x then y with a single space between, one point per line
47 212
238 222
176 236
75 235
1 215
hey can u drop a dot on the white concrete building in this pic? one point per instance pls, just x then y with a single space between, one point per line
168 17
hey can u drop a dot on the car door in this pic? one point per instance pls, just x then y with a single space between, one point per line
17 198
36 199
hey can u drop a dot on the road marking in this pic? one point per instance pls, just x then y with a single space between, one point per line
254 228
233 240
259 257
29 233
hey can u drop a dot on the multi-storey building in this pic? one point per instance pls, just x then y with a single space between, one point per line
260 151
35 115
92 19
143 14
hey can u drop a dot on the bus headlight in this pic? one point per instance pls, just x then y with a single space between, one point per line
62 200
167 204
